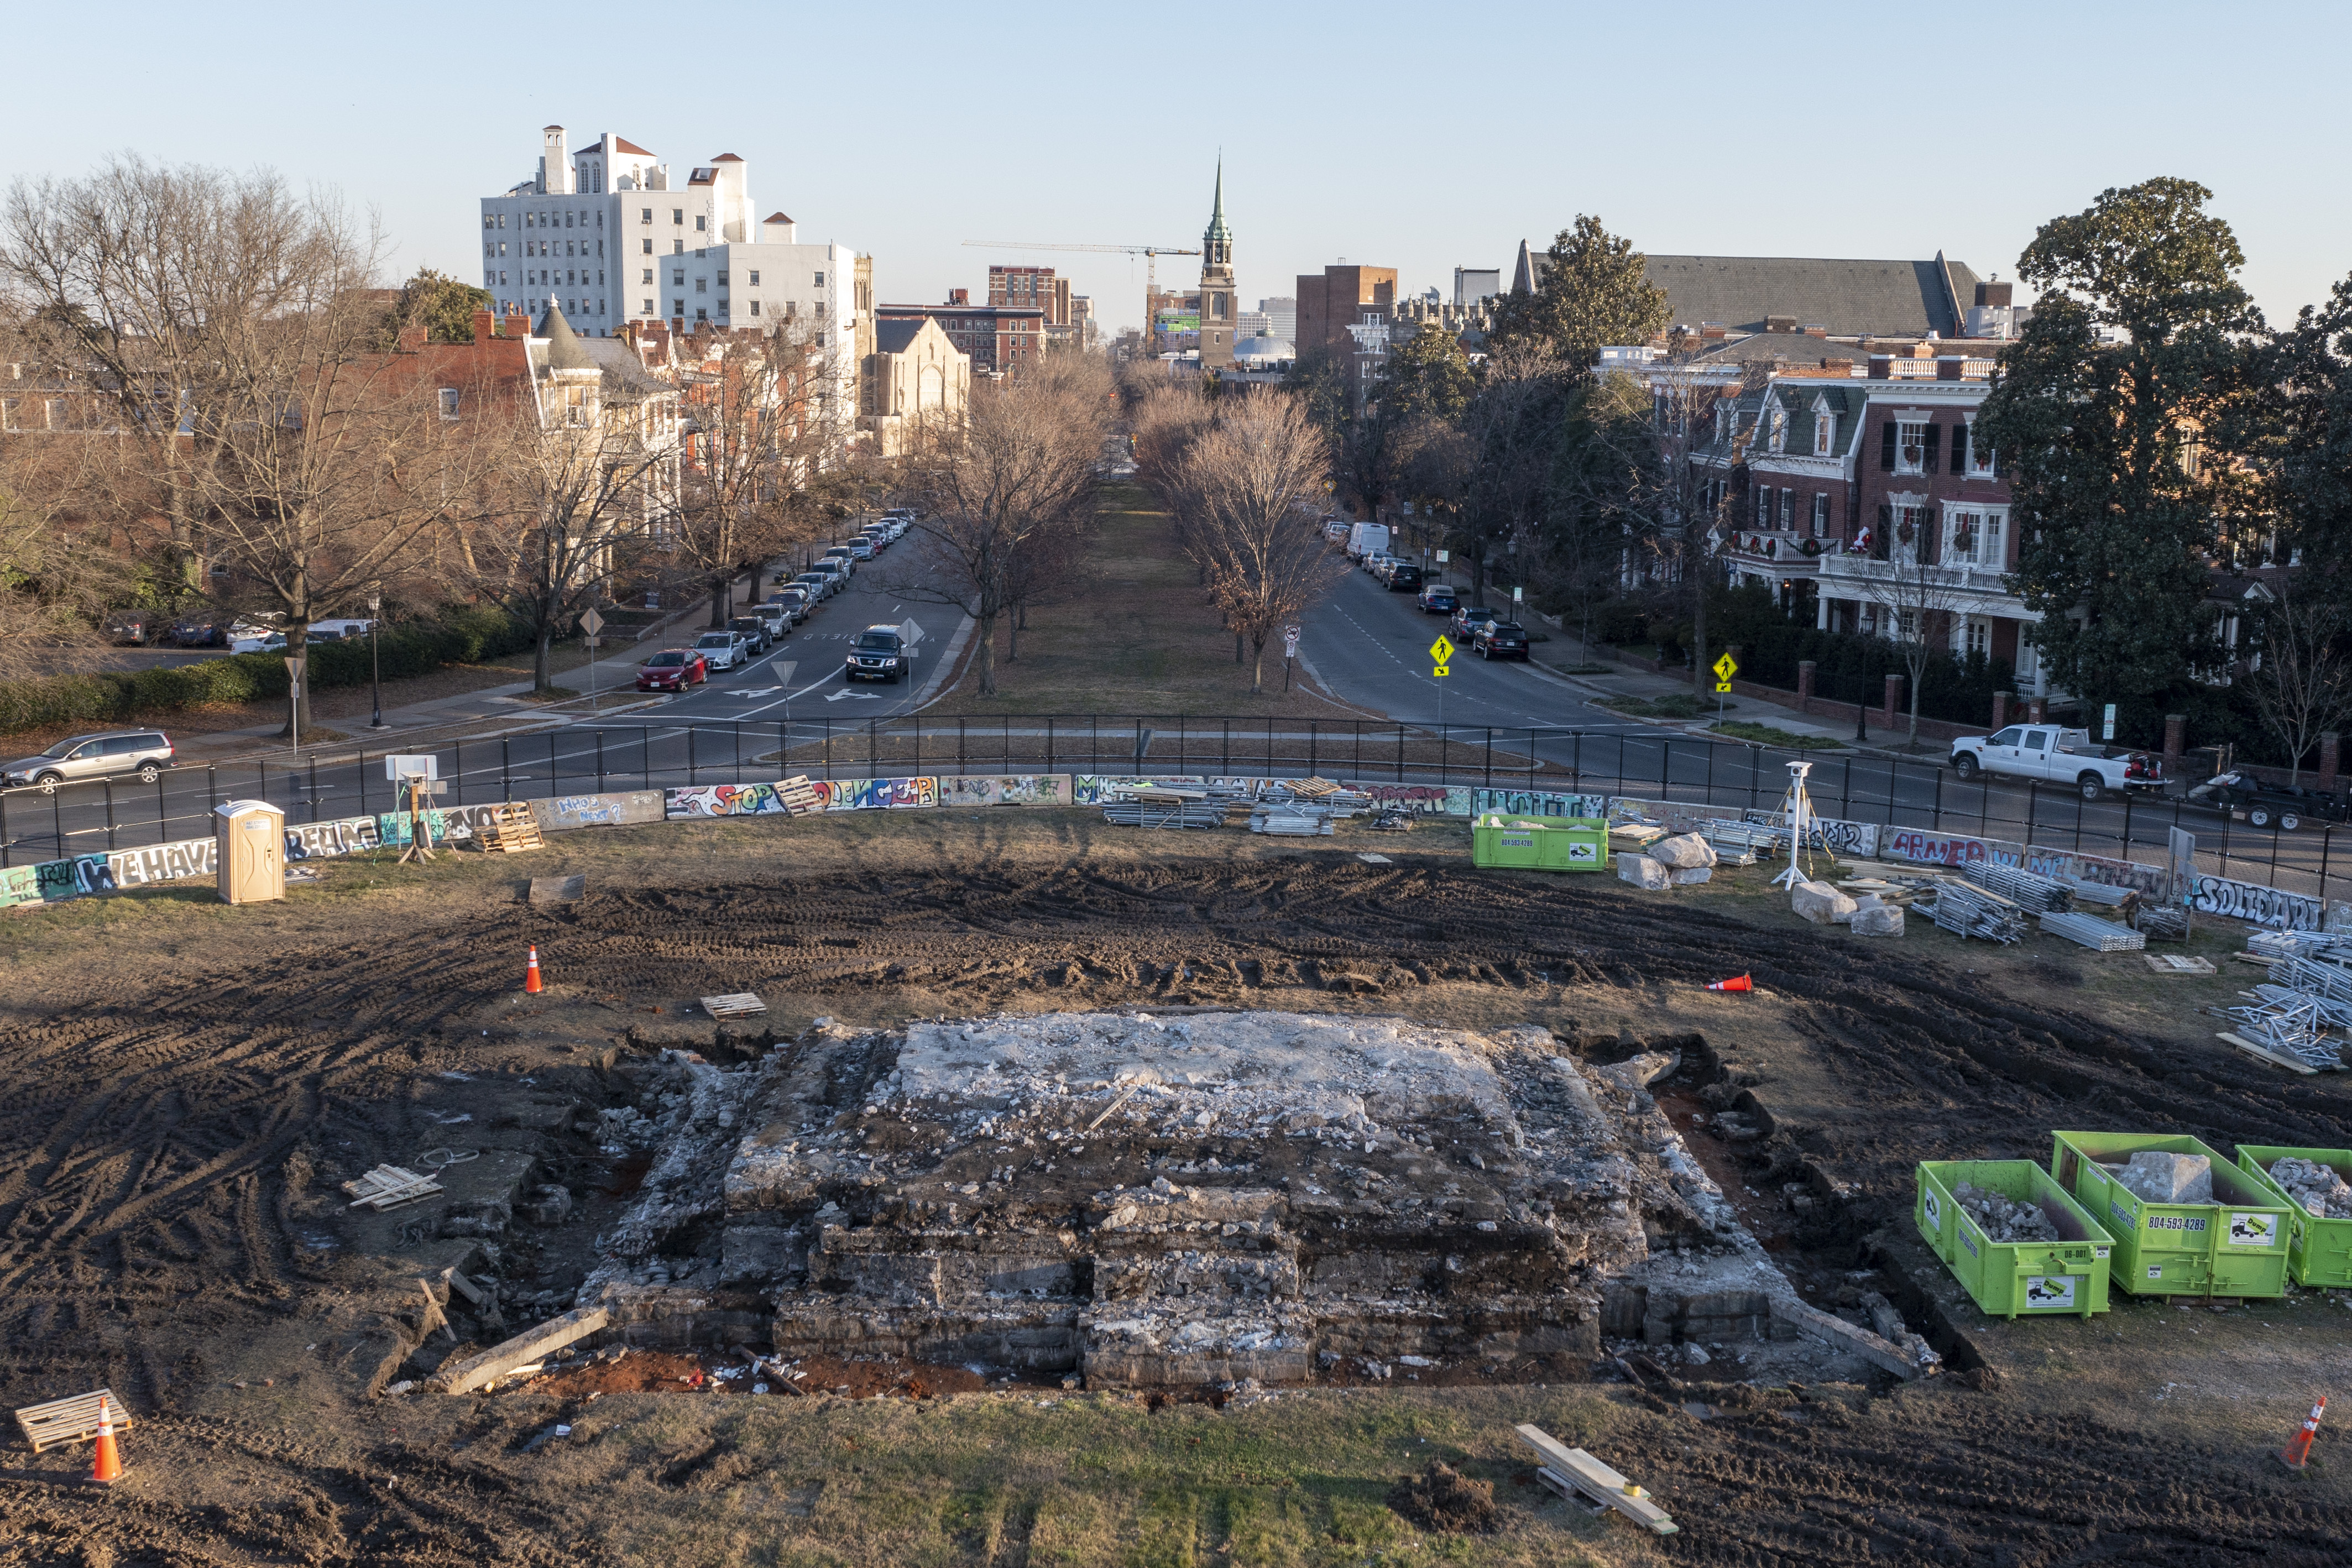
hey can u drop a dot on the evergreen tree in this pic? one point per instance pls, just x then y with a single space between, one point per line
1597 292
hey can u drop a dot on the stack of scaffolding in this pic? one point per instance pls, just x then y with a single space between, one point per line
2334 1011
2100 936
1976 912
1289 820
2294 1029
2328 981
1160 806
1743 843
2326 944
2023 888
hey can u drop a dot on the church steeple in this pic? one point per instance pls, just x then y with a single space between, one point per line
1217 240
1217 302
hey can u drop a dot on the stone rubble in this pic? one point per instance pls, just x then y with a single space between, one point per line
2003 1219
2321 1192
2161 1178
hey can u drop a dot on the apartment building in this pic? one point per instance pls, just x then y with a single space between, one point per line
1000 339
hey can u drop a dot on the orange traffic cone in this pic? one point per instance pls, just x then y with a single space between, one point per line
2298 1452
109 1469
1737 983
531 975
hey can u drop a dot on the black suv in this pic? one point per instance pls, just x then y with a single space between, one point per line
753 630
878 654
1404 576
1499 639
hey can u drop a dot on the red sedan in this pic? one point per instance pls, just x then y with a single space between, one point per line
673 670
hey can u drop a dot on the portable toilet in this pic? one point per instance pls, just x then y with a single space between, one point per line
252 851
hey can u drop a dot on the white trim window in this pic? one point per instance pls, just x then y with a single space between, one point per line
1821 514
1911 446
1976 536
1974 635
1825 429
1779 428
1980 463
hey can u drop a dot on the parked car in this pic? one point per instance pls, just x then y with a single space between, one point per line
337 630
1499 639
133 631
1438 599
795 602
2287 806
2062 755
1470 617
199 631
878 654
673 670
774 620
1403 578
819 586
258 641
836 574
753 630
146 752
722 650
860 548
842 554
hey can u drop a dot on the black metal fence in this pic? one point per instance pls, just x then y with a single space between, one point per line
1651 765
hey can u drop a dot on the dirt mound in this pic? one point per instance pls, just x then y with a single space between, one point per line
1443 1499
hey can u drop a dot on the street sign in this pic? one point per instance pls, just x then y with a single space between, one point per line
1441 651
1442 671
294 663
1290 642
591 641
412 765
1441 558
1723 686
2108 729
1725 668
592 623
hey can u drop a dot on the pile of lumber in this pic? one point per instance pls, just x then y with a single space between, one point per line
510 830
389 1187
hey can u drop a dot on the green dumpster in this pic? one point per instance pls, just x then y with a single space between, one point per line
2234 1245
2318 1250
2007 1277
1555 844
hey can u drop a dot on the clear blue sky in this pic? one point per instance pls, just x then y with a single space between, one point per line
1420 137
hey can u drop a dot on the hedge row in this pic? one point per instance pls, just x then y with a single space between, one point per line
458 636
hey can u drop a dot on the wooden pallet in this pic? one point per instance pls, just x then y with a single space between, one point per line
73 1420
510 830
1566 1469
389 1187
2276 1059
798 795
1312 788
739 1005
2174 963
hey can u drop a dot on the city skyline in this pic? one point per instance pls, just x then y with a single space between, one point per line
1817 133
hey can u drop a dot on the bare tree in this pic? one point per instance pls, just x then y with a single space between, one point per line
1246 480
1023 466
2301 679
57 570
1916 602
1686 515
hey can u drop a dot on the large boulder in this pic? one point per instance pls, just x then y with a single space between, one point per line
1820 903
1879 920
1684 876
1642 871
1684 851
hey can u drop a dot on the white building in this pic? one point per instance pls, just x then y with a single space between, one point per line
605 232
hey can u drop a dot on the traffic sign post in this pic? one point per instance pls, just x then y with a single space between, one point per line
1290 652
295 662
1725 668
590 624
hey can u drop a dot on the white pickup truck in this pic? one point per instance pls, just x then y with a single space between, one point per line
2062 756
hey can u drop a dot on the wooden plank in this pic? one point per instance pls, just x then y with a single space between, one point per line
2275 1058
520 1351
736 1005
2265 960
2174 963
1597 1480
71 1420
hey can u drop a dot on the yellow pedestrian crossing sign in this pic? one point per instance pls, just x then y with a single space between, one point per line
1441 651
1441 672
1725 667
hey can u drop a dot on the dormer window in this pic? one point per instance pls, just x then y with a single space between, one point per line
1779 428
1824 430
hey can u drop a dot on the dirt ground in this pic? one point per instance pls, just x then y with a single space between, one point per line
190 1082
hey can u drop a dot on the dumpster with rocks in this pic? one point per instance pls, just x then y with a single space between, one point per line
2215 1230
2002 1218
2317 1188
2013 1238
2164 1178
2319 1216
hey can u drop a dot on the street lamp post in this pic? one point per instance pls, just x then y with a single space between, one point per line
375 660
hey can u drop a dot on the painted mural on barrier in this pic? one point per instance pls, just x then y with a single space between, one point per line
52 881
569 811
1092 789
346 836
1007 789
2257 906
2150 881
1833 835
393 828
876 795
1422 800
725 800
166 862
1930 848
1536 803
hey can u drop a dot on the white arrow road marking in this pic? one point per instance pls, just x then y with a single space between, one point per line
755 691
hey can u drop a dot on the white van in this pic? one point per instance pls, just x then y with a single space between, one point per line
1366 538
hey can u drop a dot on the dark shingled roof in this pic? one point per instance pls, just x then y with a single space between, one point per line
892 337
563 350
1852 298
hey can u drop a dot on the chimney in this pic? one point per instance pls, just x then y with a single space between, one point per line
554 162
1710 332
959 296
1881 367
515 325
484 325
1996 294
1838 367
1948 367
1779 323
411 341
1816 330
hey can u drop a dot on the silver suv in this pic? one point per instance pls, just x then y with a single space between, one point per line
146 752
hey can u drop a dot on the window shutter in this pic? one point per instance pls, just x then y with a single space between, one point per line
1960 447
1932 438
1883 542
1886 447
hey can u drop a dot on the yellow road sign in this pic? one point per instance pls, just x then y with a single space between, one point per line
1723 686
1725 667
1441 651
1442 671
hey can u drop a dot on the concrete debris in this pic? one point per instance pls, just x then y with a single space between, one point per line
1820 903
1684 851
2002 1220
2320 1189
1872 918
1643 871
1685 876
2160 1178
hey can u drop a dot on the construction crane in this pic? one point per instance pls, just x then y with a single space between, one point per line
1150 254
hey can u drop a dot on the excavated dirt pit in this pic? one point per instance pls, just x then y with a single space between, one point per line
187 1089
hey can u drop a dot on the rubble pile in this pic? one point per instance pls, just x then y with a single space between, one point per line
1202 1199
1443 1499
2318 1188
2003 1219
2161 1178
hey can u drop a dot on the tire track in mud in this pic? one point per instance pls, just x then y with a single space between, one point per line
144 1151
